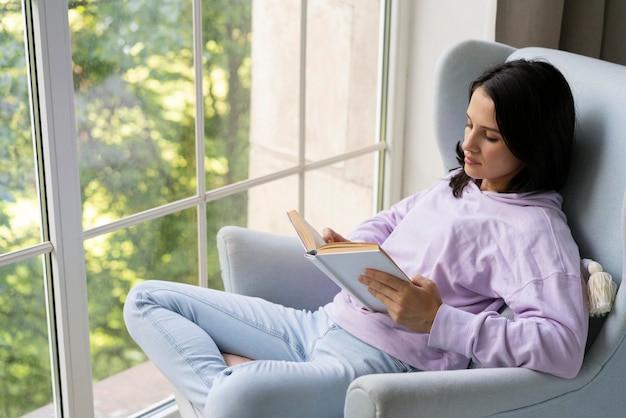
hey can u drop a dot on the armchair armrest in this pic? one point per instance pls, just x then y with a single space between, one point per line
272 267
467 393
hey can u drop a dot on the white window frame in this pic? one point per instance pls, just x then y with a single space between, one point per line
53 99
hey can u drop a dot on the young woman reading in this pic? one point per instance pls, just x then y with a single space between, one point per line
490 234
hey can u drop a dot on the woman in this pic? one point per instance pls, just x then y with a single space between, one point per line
490 234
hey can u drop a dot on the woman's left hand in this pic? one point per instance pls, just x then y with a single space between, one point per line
413 305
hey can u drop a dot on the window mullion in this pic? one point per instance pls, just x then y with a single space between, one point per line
66 275
200 149
394 60
302 107
382 102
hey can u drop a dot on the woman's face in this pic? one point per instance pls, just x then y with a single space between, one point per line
487 156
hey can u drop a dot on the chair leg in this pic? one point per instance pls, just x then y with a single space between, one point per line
185 409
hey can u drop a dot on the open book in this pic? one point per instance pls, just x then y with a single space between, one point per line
344 262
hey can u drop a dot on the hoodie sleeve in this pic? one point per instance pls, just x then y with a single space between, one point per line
548 332
378 228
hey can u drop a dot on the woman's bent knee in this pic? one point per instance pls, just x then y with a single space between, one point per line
135 300
253 390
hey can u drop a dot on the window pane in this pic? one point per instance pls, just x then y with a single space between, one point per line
227 66
20 215
346 185
341 81
269 203
275 112
231 210
341 76
25 373
162 249
135 104
340 106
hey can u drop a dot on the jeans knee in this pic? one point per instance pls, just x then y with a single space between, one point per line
252 390
232 397
132 305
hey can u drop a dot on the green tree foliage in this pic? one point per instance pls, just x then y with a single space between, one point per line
135 110
24 354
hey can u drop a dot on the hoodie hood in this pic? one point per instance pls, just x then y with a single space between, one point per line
549 199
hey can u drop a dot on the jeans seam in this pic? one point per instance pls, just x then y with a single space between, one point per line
173 343
298 349
261 327
331 327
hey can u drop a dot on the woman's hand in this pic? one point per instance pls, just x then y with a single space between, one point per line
413 305
331 236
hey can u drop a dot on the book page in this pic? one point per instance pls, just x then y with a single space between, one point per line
347 246
310 238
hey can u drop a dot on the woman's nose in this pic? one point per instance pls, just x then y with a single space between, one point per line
469 140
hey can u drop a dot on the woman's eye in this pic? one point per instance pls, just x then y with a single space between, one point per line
490 138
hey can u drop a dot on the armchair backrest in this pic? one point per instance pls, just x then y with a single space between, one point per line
593 196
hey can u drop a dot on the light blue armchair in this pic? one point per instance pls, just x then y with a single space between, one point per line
273 267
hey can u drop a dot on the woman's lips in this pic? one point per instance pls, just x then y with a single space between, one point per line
471 161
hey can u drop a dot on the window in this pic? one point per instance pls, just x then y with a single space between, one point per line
25 366
132 131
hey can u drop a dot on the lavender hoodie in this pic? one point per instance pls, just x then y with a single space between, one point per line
483 250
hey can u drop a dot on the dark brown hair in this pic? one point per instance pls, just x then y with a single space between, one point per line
535 114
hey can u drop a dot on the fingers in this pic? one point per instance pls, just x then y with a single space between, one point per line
380 291
420 281
330 235
413 305
379 279
385 287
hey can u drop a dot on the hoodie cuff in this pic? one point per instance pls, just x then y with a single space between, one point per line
452 330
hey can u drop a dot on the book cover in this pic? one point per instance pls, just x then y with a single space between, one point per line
343 262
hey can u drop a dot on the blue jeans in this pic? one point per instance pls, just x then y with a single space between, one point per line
305 362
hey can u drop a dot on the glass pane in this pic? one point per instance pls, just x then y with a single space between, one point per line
227 71
25 372
269 203
347 185
341 89
341 76
230 210
20 215
162 249
135 104
275 98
